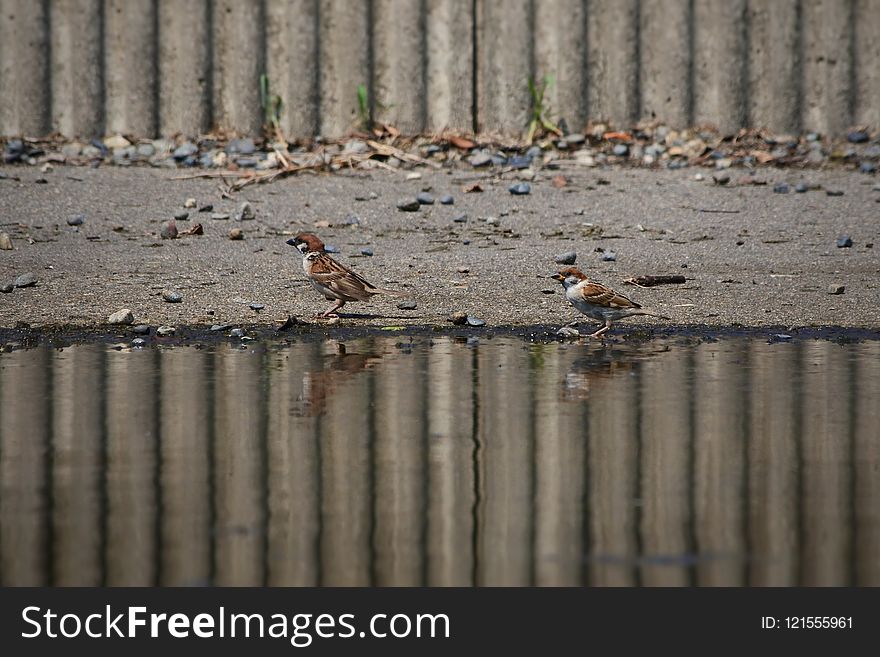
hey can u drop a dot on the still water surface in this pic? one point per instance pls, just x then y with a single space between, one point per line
732 462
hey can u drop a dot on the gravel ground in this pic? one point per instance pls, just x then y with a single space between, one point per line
751 256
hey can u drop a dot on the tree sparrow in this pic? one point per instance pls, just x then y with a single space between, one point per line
598 301
336 282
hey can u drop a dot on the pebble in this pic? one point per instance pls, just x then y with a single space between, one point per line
184 151
568 332
520 189
460 219
138 342
76 220
480 159
425 199
867 167
781 188
534 151
169 230
245 212
208 207
844 242
407 305
566 258
519 162
409 206
609 256
244 146
857 137
834 192
721 178
367 252
413 176
548 290
220 327
141 329
220 216
181 215
463 270
189 203
165 330
836 288
6 288
351 220
257 306
475 321
172 296
575 138
621 150
459 318
235 234
26 280
237 333
5 242
146 150
123 316
801 188
117 141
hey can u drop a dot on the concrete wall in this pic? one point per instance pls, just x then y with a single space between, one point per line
147 67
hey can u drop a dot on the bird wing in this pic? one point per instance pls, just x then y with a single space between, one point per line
602 295
339 278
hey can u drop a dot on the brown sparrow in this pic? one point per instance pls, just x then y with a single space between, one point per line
598 301
336 282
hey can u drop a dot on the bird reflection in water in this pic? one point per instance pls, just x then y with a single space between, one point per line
319 383
597 367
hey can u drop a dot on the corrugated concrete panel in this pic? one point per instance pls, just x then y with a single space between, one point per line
774 64
238 64
867 57
345 63
148 67
292 62
399 64
450 73
131 96
560 53
184 67
828 50
24 63
665 31
77 75
504 65
719 63
613 38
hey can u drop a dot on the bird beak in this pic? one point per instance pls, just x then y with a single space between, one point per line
291 242
557 277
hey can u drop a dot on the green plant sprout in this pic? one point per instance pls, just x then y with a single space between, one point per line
363 107
540 111
271 107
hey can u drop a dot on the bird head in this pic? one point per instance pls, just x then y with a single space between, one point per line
307 243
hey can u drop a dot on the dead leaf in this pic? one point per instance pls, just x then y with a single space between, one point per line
461 142
560 181
323 223
473 188
762 156
621 136
195 230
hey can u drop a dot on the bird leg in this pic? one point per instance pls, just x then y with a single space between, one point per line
331 311
601 331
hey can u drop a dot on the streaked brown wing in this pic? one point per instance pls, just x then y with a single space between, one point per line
340 279
600 295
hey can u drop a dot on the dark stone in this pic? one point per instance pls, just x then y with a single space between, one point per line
609 256
566 258
171 296
407 305
519 189
844 242
868 167
425 199
834 192
781 188
208 207
475 321
446 200
26 280
185 151
409 206
460 219
141 329
520 162
857 137
181 215
257 306
800 188
367 252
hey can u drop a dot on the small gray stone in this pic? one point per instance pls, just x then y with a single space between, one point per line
236 234
237 333
834 192
146 150
123 316
6 288
475 321
257 306
566 258
520 189
621 150
460 219
246 162
480 159
721 178
407 305
801 188
184 151
836 288
844 242
165 330
352 220
208 207
220 327
244 146
425 199
5 242
857 137
367 252
446 200
220 216
609 256
141 329
575 139
169 230
568 332
868 167
534 151
781 188
245 212
172 296
26 280
181 215
76 220
409 206
138 342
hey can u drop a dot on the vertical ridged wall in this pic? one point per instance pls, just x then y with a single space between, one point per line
148 67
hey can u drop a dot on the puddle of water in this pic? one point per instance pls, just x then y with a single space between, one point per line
732 462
